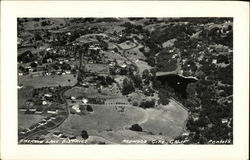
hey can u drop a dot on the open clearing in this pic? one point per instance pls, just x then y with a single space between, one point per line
27 120
47 81
107 122
104 118
54 22
24 94
169 120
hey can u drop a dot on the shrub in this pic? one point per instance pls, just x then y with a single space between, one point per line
85 134
136 127
89 108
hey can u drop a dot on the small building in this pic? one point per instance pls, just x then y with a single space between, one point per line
53 117
47 95
52 111
76 108
32 109
214 61
84 101
185 134
57 134
44 103
64 137
68 72
22 109
224 120
38 112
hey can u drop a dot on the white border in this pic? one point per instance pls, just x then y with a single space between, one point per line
11 10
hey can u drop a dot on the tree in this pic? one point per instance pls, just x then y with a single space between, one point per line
148 104
116 50
136 127
85 134
151 61
89 108
128 87
137 80
145 74
34 65
38 37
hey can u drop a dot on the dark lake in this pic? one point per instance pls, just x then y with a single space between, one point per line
177 82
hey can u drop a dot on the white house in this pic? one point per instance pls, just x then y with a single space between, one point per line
44 103
224 120
84 100
52 111
76 108
47 95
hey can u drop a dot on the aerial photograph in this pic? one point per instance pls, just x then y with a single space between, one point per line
125 80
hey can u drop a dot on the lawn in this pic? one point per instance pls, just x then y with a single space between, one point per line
104 118
169 120
47 81
55 22
24 94
107 122
27 120
127 45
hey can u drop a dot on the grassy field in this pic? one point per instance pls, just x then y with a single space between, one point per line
127 45
47 81
169 120
55 22
107 124
27 120
121 136
24 94
104 118
98 68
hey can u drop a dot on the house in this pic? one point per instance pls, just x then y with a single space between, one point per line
47 95
32 109
76 108
57 134
36 74
22 109
44 103
42 123
84 100
195 117
68 72
224 120
185 134
24 131
31 69
73 98
64 137
38 112
53 117
52 111
19 86
214 61
20 74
